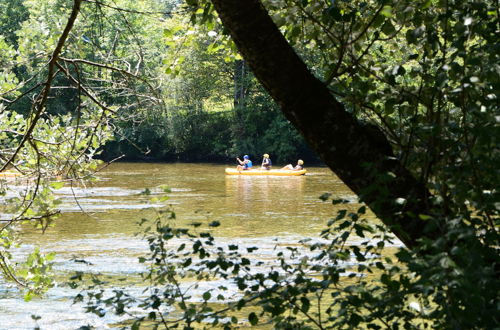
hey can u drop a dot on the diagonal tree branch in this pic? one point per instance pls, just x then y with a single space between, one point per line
359 154
38 106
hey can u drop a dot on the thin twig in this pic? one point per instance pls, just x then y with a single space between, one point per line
38 106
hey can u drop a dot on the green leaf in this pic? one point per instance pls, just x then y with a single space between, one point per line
378 21
388 28
166 189
57 185
325 196
168 33
305 304
386 11
28 296
253 319
136 325
424 217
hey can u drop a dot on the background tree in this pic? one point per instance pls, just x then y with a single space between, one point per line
409 137
410 142
414 133
117 67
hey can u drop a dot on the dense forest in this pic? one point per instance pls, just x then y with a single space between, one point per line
181 96
399 98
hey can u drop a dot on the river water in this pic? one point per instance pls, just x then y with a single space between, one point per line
99 223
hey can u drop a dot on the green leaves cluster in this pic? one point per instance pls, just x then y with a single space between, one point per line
427 74
356 275
61 150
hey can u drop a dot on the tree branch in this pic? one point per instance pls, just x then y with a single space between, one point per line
38 106
359 154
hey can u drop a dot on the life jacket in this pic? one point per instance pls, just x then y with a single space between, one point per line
248 164
267 164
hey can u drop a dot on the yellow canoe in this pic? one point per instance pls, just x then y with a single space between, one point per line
233 171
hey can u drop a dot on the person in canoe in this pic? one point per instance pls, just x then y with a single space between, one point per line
245 164
298 167
266 162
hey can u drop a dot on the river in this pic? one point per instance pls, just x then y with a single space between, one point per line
99 222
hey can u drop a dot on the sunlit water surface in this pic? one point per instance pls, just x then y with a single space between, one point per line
99 223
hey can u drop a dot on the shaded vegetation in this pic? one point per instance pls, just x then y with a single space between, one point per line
399 98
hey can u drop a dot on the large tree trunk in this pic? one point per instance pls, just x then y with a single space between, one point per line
359 154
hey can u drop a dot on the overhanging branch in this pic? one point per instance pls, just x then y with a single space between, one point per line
359 154
38 106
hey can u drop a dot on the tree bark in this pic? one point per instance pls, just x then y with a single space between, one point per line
359 154
240 82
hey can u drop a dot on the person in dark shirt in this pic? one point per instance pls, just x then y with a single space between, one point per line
266 162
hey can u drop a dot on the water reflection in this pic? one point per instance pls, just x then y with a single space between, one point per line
253 211
249 194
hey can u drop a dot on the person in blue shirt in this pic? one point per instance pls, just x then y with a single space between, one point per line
266 162
245 164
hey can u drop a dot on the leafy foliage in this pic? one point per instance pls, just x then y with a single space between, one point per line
353 276
104 78
210 97
61 149
426 72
